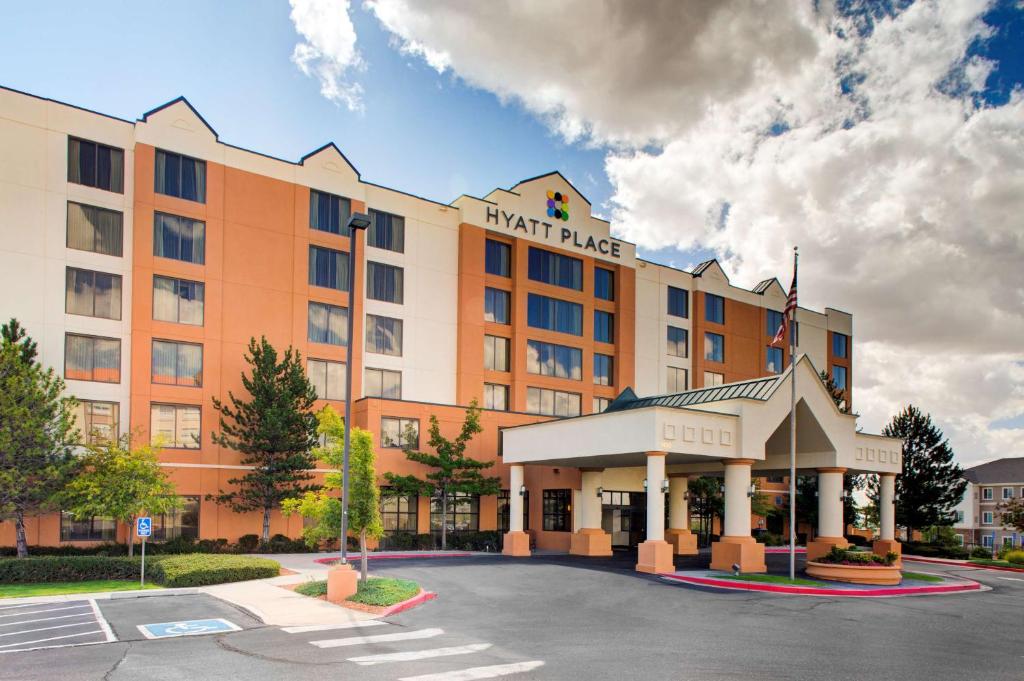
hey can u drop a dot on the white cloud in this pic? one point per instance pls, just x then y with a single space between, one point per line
905 195
328 49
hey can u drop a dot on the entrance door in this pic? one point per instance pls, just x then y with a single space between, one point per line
624 517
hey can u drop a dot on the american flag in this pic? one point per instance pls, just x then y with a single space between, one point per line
780 335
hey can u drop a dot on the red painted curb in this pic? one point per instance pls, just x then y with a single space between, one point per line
418 599
815 591
960 563
783 549
396 556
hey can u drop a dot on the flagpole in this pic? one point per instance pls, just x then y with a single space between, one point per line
792 429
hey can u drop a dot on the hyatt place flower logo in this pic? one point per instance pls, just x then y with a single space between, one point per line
558 206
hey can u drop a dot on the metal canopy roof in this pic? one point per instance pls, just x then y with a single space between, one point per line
757 389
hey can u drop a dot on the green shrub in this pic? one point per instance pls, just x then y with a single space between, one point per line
69 568
1015 557
314 589
846 557
1005 550
249 542
772 539
935 550
383 591
206 569
981 552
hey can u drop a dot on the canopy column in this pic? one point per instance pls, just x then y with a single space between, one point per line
678 535
886 543
736 549
830 514
590 539
517 542
655 554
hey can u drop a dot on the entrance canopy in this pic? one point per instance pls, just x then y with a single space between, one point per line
700 429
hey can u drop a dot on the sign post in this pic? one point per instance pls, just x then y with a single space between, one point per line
143 529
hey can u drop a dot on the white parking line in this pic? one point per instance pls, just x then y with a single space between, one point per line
101 620
474 673
52 638
380 638
36 612
328 627
367 660
45 619
1012 579
59 626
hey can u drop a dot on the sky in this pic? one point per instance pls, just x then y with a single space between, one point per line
885 138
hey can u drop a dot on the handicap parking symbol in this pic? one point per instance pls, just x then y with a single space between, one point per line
143 527
188 628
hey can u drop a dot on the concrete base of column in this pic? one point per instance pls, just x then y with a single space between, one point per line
745 552
683 542
880 547
654 557
820 546
590 542
516 544
342 582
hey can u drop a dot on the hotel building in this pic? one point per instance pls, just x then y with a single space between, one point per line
143 255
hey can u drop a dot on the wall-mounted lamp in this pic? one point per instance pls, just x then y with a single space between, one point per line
522 490
721 489
895 497
844 495
600 492
664 484
645 484
752 491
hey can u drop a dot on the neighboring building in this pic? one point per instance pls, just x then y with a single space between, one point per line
143 255
978 521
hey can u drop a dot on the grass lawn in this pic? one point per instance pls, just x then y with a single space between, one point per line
770 579
990 561
381 591
922 577
58 588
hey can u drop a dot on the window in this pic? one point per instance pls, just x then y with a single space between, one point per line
603 370
95 165
496 396
328 378
548 359
399 432
986 540
600 404
675 380
93 229
554 315
177 363
496 305
327 212
959 539
772 322
1007 493
179 238
604 326
180 176
328 268
398 512
496 353
95 528
384 282
383 335
552 402
712 379
327 324
463 513
714 347
178 300
92 294
986 517
504 506
1007 540
773 360
557 510
840 342
986 493
498 258
714 308
553 268
678 342
97 422
604 284
176 426
386 231
89 358
383 383
839 376
678 302
959 516
181 523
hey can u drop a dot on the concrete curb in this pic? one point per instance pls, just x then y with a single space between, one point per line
418 599
100 596
183 591
961 563
887 592
407 556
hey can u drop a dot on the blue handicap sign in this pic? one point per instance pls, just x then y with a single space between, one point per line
188 628
143 527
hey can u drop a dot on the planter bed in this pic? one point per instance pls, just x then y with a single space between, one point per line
881 575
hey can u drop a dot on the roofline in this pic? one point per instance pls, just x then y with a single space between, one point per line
559 173
181 98
565 419
67 104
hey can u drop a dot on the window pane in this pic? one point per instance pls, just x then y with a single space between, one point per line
95 229
328 268
383 335
604 325
554 315
179 238
496 396
714 347
498 258
327 212
327 324
604 284
165 299
496 305
678 342
678 303
79 292
335 381
384 282
714 308
553 268
87 358
774 360
773 320
180 176
386 231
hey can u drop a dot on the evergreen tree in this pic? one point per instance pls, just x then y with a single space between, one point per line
1012 513
837 394
453 472
931 484
37 433
274 430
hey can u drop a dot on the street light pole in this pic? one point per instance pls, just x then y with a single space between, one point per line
358 222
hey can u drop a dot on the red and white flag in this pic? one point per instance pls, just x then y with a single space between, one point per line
780 335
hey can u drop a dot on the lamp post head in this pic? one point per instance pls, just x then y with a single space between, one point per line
358 221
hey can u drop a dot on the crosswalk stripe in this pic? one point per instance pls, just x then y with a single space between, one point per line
366 660
474 673
328 627
379 638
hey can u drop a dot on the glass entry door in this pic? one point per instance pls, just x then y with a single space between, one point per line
624 517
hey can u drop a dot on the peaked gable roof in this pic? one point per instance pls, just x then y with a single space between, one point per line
331 148
1007 469
180 100
519 184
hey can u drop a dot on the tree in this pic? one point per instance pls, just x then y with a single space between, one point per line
837 394
706 504
453 471
931 484
1012 512
120 482
37 433
364 494
274 430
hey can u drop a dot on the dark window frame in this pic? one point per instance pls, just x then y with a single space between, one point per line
331 310
178 406
114 279
677 294
333 214
554 269
604 290
376 239
383 373
557 510
177 360
390 443
200 288
550 314
503 252
92 337
342 275
119 241
97 146
200 196
376 274
714 308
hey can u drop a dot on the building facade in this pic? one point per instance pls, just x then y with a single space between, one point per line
143 256
978 519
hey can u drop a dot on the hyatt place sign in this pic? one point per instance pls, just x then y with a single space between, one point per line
563 236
